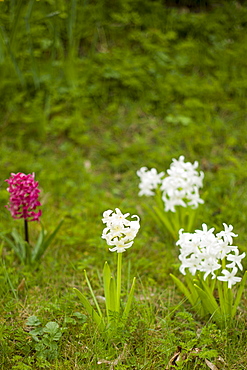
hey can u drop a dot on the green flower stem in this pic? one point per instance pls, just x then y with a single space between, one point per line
183 217
119 276
158 199
225 291
229 303
221 298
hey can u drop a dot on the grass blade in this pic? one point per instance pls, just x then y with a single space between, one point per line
96 318
40 249
112 293
106 279
183 289
209 303
239 295
129 301
92 294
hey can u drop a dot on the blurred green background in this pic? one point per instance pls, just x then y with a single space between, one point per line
93 90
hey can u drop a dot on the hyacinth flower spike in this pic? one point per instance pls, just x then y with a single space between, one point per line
24 204
119 234
24 193
176 194
204 260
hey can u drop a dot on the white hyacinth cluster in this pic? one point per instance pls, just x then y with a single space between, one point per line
179 188
206 252
150 179
119 232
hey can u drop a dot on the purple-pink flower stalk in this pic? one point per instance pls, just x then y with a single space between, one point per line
24 194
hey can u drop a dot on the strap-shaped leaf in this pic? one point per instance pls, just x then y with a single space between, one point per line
96 318
37 247
129 300
113 295
8 279
15 246
92 294
191 215
239 295
225 300
208 301
190 283
165 221
210 304
40 248
20 245
183 289
106 279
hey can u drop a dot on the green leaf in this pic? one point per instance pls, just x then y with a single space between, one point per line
190 283
95 317
35 333
33 321
12 245
106 279
239 295
191 215
38 245
129 300
209 303
225 300
81 318
19 245
92 294
21 248
162 217
113 295
184 290
43 243
52 328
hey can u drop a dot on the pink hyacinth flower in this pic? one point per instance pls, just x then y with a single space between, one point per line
24 194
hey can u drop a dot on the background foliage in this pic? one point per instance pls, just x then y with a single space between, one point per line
90 92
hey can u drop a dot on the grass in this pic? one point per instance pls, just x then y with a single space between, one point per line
91 92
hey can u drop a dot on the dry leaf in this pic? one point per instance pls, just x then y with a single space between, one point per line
114 362
211 365
220 359
179 356
175 358
21 286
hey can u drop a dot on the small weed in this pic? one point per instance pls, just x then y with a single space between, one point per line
45 339
91 91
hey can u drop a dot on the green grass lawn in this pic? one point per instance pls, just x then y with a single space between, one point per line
91 92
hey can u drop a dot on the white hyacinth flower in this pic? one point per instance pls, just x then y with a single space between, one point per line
204 251
119 231
181 186
150 179
227 234
230 277
236 260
